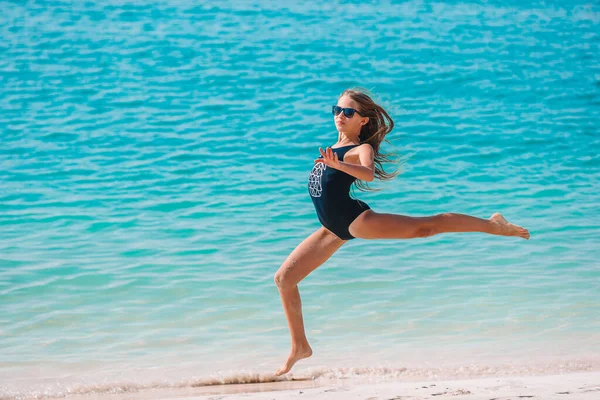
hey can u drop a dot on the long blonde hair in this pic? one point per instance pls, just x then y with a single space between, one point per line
373 132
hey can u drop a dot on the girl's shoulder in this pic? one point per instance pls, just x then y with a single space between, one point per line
363 148
363 151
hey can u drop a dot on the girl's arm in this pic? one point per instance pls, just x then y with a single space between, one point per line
364 171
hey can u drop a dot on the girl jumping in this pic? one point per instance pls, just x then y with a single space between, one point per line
362 125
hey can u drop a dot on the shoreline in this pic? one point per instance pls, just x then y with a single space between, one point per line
501 385
580 386
576 385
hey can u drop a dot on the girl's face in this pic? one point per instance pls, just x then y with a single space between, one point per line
347 125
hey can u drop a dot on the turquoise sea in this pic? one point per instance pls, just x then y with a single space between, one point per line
154 164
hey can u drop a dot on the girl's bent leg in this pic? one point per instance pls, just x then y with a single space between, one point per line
305 258
372 225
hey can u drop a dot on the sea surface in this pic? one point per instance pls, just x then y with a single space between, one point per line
154 165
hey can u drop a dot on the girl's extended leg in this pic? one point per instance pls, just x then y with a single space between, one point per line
372 225
305 258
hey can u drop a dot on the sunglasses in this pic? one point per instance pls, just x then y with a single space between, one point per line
348 112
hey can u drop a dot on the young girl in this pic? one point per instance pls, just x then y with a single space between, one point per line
362 126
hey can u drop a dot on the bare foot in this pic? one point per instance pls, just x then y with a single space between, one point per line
296 354
508 229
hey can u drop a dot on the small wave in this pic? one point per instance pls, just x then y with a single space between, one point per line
123 387
457 372
314 377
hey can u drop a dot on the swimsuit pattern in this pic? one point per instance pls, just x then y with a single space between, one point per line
329 189
314 181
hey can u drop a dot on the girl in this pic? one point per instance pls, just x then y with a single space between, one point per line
362 126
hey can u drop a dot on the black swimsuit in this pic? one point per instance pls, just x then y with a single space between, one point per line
329 189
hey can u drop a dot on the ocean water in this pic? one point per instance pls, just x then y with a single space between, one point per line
154 163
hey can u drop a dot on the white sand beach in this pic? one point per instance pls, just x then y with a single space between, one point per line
582 386
575 386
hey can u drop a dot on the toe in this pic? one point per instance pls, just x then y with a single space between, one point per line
281 371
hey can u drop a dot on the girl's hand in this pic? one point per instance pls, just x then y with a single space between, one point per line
330 158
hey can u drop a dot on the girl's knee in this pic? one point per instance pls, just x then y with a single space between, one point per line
282 279
279 279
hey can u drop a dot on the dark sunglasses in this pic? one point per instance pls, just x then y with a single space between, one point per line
348 112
